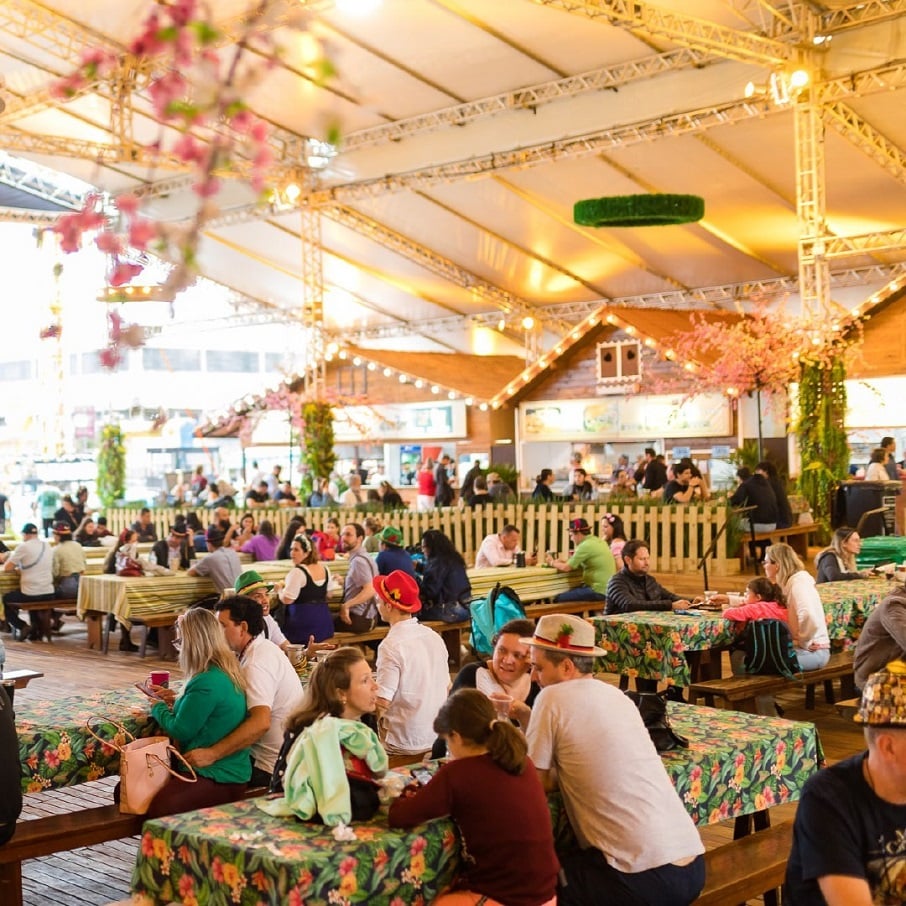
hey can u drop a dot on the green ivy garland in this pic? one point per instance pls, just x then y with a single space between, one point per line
822 438
318 438
638 210
111 465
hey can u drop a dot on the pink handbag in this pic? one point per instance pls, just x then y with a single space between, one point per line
144 767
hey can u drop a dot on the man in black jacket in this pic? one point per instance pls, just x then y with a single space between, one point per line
632 588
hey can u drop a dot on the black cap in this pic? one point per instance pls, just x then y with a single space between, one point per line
29 529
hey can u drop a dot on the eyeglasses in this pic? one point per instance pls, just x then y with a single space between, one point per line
177 643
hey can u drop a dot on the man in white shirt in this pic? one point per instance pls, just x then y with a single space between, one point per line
353 495
34 560
412 674
638 842
273 691
499 549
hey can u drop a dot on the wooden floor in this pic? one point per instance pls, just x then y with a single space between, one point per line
98 875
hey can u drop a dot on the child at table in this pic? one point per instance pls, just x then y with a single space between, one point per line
492 791
762 600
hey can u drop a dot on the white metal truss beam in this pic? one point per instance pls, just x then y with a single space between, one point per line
688 31
866 138
860 14
849 246
531 97
21 215
34 183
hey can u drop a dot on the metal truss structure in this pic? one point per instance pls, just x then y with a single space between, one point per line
700 43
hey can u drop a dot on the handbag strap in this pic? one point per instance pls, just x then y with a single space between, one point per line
174 751
108 742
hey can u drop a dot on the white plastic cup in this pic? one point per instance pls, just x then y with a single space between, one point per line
501 702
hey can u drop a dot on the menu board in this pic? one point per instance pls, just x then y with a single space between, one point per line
626 418
403 422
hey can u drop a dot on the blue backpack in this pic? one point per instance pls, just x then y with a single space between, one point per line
490 613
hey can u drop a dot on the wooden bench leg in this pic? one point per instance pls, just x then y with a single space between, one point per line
829 692
11 884
165 637
624 682
810 697
95 632
453 640
143 644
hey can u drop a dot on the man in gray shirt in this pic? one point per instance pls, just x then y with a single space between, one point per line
358 612
221 564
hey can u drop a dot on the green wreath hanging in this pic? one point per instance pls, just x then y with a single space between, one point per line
638 210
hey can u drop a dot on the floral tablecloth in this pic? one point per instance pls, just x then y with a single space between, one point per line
736 764
848 604
56 750
238 854
652 644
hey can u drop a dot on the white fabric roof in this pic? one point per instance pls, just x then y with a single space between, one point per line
472 127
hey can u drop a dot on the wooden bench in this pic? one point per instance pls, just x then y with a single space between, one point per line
43 610
796 536
740 692
60 833
452 632
746 868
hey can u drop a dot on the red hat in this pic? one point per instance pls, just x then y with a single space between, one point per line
399 590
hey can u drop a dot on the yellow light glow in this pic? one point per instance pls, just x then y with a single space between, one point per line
435 388
528 322
333 348
403 379
388 372
799 78
372 366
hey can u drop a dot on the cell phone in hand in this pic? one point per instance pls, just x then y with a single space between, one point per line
144 687
421 776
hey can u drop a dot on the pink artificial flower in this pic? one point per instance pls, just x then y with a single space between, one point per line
165 91
127 203
141 232
108 242
124 272
210 186
189 149
109 357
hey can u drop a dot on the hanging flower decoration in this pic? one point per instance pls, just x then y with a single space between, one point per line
763 350
197 88
51 332
120 336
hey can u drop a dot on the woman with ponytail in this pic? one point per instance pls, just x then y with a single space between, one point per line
508 861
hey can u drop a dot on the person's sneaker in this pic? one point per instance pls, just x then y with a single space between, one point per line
20 634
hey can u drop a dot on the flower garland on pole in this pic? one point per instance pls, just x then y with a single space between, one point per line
111 484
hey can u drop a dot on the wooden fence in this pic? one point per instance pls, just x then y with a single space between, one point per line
677 535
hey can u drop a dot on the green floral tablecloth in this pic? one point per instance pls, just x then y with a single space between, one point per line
56 750
652 644
236 854
848 604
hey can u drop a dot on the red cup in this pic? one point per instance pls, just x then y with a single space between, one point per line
160 678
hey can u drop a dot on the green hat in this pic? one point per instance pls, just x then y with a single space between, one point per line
250 581
391 535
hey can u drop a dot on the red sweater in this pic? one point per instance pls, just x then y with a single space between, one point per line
508 844
757 610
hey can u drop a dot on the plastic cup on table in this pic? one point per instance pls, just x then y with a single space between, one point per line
160 678
501 702
734 600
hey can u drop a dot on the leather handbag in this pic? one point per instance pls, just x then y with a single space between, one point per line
144 767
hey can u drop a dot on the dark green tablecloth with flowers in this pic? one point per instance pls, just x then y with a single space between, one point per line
652 644
56 750
848 604
736 764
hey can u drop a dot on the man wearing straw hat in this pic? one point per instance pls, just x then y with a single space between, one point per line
638 842
849 839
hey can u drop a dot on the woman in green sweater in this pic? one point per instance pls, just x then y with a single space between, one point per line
211 705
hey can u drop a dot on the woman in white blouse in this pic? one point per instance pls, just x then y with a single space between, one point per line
807 621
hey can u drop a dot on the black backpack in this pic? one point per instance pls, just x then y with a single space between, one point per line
769 649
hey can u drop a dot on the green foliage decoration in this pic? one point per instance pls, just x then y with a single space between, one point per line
638 210
318 438
111 465
822 438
